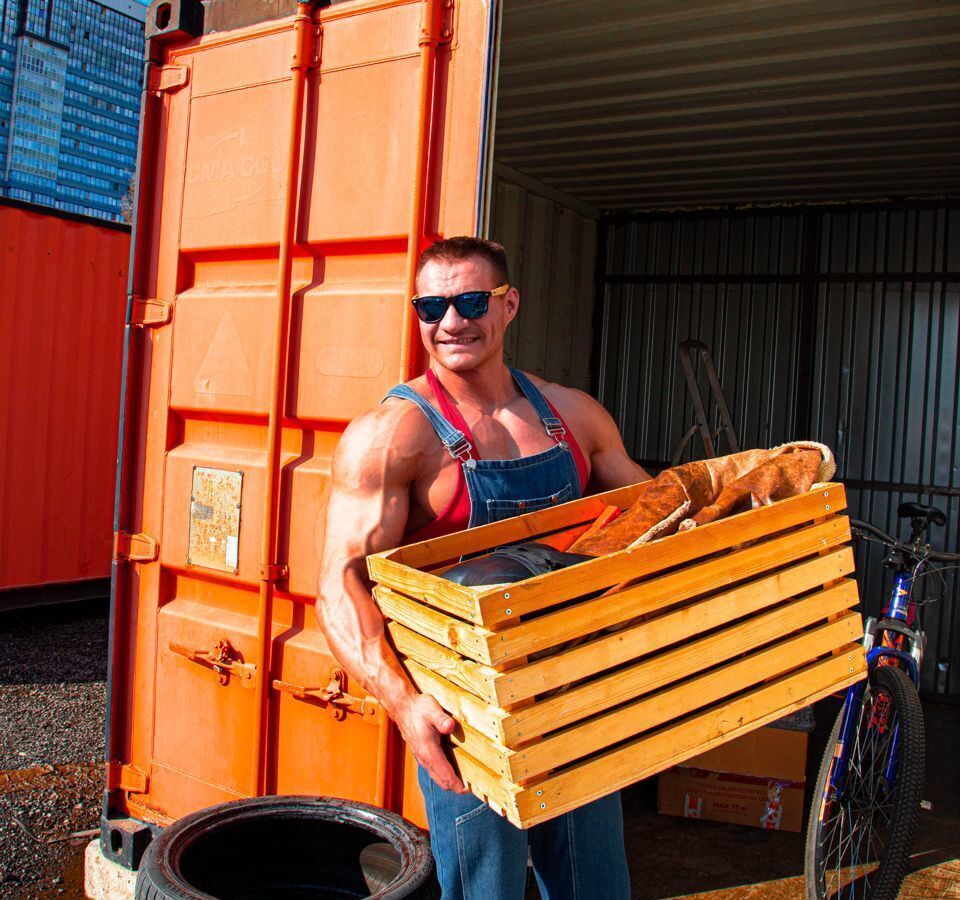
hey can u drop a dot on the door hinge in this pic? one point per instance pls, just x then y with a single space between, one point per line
437 28
126 778
333 695
222 659
446 21
165 79
150 311
275 572
135 547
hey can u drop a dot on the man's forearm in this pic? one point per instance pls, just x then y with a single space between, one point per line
354 629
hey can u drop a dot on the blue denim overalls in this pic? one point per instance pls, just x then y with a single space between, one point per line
479 854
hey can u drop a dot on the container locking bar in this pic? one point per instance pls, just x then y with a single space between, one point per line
333 695
135 547
222 659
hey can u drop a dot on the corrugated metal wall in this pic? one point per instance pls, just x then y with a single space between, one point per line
660 104
552 249
62 303
840 324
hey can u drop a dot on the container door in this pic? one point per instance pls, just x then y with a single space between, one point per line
388 152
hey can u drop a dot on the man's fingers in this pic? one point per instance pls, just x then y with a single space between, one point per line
444 723
442 773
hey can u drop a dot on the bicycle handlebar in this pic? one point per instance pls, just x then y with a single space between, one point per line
894 544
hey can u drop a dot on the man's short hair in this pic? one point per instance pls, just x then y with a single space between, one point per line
456 249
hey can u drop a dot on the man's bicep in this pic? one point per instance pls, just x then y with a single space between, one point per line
611 465
368 505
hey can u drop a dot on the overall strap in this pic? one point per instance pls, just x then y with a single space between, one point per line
551 423
452 438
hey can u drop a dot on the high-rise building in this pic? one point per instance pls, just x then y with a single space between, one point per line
70 73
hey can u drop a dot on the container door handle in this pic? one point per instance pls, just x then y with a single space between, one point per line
333 695
221 659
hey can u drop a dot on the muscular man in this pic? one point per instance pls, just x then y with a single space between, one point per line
470 442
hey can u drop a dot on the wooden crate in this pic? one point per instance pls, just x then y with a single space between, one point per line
574 684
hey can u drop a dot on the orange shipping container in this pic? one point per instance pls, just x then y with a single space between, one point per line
62 298
291 173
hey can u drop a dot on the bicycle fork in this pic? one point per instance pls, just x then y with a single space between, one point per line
895 636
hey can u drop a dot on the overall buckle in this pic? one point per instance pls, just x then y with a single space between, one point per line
460 448
554 427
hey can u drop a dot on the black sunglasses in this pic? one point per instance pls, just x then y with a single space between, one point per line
469 304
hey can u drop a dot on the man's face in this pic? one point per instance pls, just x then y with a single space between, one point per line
459 344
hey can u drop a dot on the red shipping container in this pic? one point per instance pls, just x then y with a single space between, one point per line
62 300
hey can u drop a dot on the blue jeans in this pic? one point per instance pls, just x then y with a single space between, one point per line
481 856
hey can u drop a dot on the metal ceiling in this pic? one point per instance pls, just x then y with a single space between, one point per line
649 104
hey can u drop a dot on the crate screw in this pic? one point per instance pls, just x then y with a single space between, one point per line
827 507
826 493
506 596
509 611
539 793
543 806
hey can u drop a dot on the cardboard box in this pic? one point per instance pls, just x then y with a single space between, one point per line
765 753
724 797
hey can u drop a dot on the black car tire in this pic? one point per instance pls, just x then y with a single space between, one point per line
288 847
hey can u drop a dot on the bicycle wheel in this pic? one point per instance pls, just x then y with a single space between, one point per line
859 839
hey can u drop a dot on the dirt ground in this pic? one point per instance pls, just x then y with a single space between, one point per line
52 694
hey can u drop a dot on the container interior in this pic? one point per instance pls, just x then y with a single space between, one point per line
776 180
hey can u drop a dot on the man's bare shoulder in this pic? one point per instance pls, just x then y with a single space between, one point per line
572 403
592 424
393 435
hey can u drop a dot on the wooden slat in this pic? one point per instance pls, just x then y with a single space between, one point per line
601 731
466 639
520 726
672 665
552 629
488 785
499 604
438 592
519 528
461 704
628 643
672 745
465 673
582 782
486 751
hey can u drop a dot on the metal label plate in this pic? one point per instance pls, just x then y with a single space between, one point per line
215 519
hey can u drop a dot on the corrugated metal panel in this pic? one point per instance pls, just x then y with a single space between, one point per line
62 300
840 325
552 249
666 104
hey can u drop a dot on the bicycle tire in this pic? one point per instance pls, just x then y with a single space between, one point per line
842 831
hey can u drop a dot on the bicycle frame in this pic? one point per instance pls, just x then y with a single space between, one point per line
894 635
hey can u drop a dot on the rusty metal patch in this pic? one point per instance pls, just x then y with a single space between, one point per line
215 519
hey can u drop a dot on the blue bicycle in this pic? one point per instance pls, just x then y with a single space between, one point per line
864 813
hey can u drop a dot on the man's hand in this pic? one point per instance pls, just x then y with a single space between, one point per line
423 724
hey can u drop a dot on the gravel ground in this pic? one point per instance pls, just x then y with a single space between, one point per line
52 692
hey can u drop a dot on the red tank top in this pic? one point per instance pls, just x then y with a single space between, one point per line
456 514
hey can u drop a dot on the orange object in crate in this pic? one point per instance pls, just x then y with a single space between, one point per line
291 173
